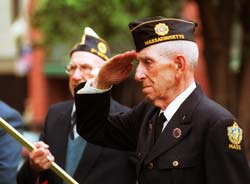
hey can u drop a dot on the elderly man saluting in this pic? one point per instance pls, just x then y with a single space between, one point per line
179 134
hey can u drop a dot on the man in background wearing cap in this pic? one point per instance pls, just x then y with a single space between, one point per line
85 162
179 134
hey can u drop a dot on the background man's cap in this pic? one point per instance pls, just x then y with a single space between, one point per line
153 30
92 43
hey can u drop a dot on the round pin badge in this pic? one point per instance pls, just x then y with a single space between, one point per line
177 132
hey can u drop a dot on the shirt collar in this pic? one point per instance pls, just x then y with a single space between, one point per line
176 103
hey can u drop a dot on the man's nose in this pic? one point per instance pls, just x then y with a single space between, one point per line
77 74
139 73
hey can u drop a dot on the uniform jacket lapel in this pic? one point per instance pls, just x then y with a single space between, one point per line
57 129
90 154
62 131
180 121
166 140
89 158
145 142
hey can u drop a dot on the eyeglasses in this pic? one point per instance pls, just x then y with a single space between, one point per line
71 68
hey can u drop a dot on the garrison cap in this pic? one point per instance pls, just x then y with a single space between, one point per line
153 30
92 43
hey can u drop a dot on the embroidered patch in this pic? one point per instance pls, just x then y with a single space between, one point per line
235 136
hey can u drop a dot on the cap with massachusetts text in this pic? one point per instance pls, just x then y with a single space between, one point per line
153 30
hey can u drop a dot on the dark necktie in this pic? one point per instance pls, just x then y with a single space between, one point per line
72 124
159 124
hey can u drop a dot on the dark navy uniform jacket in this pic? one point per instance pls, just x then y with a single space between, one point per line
201 144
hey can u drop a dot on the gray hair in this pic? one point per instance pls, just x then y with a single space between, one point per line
186 48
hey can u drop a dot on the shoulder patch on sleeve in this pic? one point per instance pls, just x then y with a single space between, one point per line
234 133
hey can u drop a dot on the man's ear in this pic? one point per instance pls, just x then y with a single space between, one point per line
180 62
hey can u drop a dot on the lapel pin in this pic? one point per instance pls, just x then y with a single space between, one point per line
177 132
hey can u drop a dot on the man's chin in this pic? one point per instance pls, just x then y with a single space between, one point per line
147 95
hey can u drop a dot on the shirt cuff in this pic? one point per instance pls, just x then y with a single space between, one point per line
88 89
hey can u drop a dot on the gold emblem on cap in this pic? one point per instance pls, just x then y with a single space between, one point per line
161 29
235 136
102 47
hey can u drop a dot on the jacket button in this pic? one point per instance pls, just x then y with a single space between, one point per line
150 165
175 163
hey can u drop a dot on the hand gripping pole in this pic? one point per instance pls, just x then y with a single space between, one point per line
21 139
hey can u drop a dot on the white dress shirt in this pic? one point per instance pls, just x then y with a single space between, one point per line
176 103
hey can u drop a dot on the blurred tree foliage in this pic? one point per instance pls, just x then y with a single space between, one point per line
62 21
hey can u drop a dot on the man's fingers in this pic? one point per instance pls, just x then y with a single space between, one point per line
41 159
120 63
126 57
130 55
41 144
50 158
115 70
39 152
48 161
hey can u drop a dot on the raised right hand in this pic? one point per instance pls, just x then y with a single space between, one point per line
115 70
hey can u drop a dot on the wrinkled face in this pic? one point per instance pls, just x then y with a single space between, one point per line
157 74
82 67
